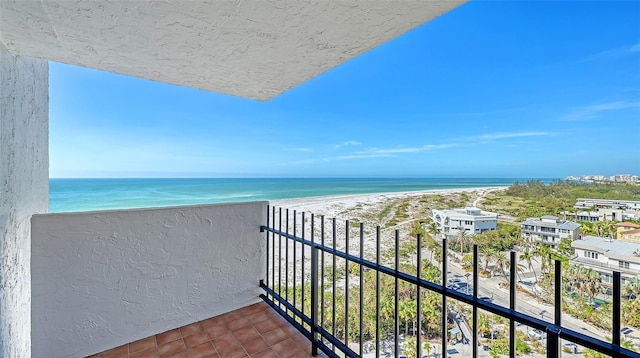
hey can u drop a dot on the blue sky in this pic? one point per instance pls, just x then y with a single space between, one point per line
491 89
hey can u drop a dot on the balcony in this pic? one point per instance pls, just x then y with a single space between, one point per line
103 279
256 331
175 281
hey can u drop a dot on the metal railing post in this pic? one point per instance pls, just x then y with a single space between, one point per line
361 293
512 304
378 290
553 335
418 294
314 300
346 286
616 308
396 310
475 296
444 299
267 260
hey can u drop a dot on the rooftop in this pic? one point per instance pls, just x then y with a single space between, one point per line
628 224
613 248
561 224
465 212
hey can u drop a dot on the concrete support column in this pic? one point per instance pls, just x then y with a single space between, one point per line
24 189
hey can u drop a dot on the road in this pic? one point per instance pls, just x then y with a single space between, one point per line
525 304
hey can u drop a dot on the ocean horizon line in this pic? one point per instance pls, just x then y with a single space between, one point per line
316 177
89 194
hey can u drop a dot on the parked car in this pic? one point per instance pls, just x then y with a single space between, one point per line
570 347
536 334
454 281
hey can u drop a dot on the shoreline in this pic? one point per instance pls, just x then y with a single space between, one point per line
331 205
389 211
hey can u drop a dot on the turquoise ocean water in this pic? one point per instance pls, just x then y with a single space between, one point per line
104 194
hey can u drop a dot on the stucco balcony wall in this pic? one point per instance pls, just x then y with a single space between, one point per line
102 279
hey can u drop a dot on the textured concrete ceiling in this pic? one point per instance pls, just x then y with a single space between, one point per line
254 49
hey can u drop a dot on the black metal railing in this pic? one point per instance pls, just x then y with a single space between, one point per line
312 291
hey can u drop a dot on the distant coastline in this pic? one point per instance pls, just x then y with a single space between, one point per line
72 195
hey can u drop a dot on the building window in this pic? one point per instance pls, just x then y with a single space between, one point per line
467 222
590 254
623 264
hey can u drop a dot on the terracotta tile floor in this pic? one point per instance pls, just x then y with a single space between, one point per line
253 331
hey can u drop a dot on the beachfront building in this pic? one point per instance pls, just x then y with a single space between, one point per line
592 210
549 230
470 220
618 178
606 255
603 214
628 231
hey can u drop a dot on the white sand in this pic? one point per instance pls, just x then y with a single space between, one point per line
332 206
362 208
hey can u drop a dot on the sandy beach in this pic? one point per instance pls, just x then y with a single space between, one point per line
389 211
339 205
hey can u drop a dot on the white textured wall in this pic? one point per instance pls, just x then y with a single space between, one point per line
102 279
24 189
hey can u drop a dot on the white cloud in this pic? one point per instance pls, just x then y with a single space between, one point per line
512 135
424 148
394 152
590 112
303 150
360 156
347 144
615 52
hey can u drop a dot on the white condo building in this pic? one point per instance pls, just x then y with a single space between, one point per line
593 210
472 220
606 255
549 230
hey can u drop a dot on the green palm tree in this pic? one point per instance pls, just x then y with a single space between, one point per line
502 261
437 251
434 230
544 252
462 239
631 289
407 313
409 348
427 348
489 256
593 284
528 256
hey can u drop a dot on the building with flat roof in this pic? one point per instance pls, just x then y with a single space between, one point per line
606 255
593 210
471 220
583 203
549 230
